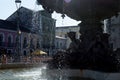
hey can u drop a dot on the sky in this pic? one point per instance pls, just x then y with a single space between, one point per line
8 7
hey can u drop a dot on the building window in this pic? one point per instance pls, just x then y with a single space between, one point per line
57 45
25 53
16 41
10 38
65 35
38 45
31 44
1 39
9 41
9 52
25 43
60 45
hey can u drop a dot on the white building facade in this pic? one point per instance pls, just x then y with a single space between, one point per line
113 28
62 32
60 42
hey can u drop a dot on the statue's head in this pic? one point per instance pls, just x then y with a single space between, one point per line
71 35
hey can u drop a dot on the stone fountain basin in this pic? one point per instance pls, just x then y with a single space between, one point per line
77 74
82 9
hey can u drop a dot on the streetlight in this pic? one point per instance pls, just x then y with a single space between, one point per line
18 4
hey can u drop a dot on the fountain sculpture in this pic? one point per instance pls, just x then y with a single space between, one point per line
93 51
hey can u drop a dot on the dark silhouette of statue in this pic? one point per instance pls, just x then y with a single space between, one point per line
73 52
97 56
75 43
93 50
67 59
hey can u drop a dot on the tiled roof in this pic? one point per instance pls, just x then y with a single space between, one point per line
21 8
11 26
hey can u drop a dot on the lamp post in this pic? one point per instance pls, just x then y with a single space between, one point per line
18 4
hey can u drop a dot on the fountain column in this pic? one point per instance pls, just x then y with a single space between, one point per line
89 30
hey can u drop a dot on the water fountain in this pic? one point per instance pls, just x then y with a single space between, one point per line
94 51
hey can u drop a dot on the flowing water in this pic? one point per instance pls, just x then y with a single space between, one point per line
38 73
42 73
23 74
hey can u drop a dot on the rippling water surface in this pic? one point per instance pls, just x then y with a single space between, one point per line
23 74
42 73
